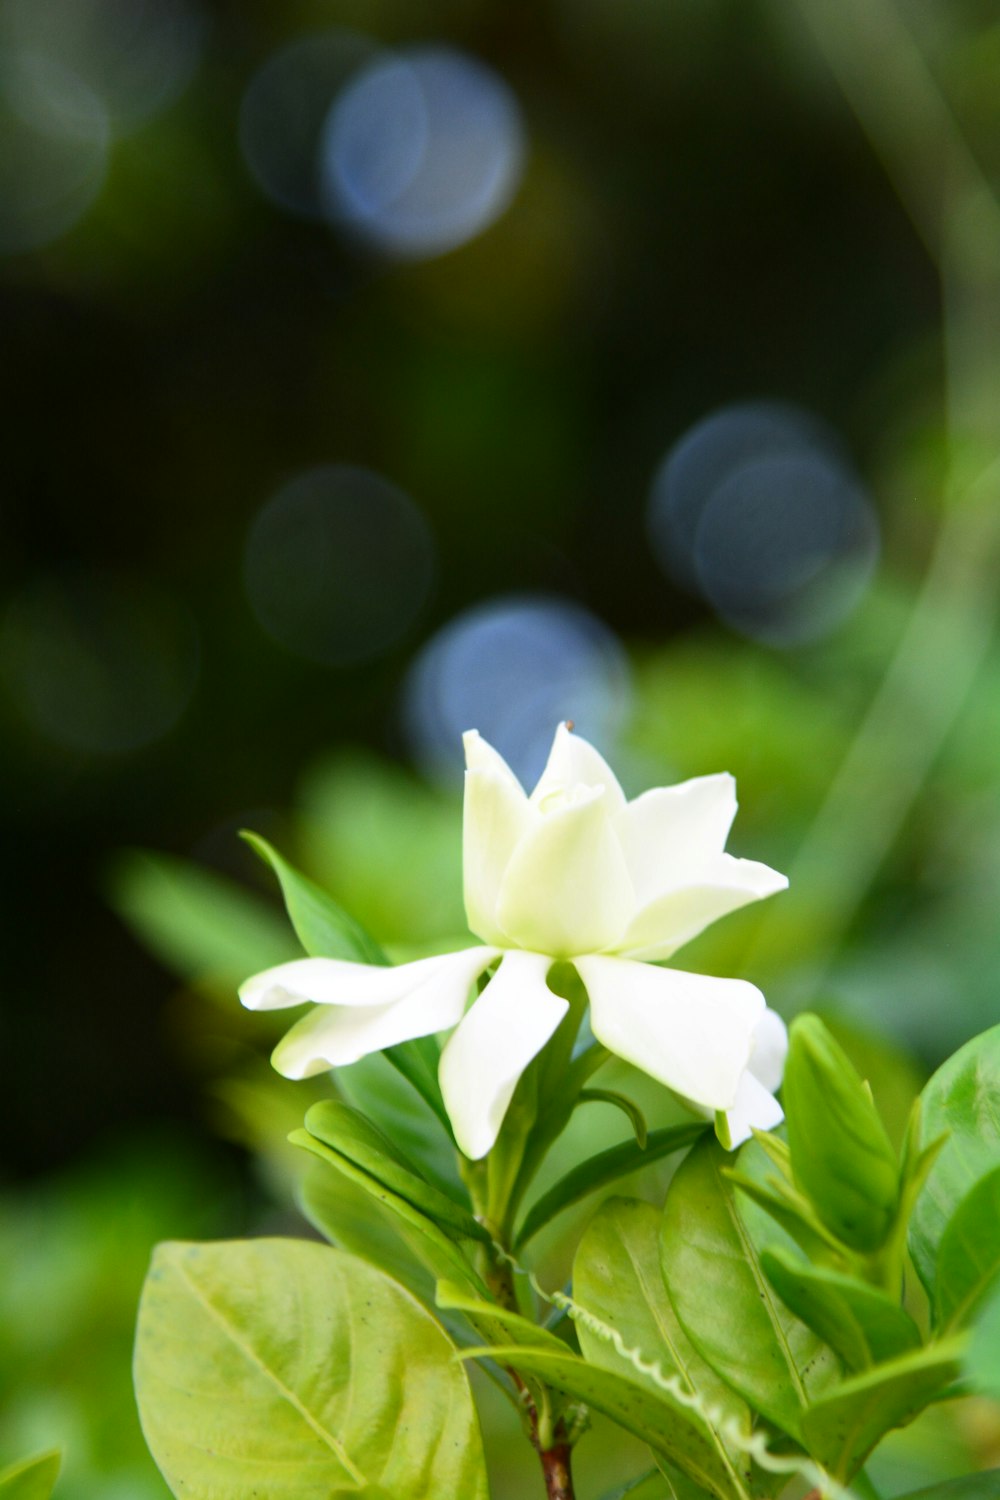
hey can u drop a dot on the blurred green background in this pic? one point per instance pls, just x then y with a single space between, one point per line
373 372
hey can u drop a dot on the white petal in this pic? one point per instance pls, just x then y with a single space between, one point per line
691 1032
670 833
754 1108
507 1026
573 761
674 918
566 889
334 981
334 1035
481 756
496 815
770 1048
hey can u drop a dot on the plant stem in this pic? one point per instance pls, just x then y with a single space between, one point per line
556 1468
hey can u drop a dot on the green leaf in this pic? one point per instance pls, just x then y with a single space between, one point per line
352 1219
495 1324
969 1255
291 1370
633 1113
379 1090
204 928
658 1419
792 1211
842 1427
352 1135
433 1247
323 928
961 1101
860 1322
603 1169
417 1061
710 1249
617 1279
841 1156
32 1478
983 1358
985 1486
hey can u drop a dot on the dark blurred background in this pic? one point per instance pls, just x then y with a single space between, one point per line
373 370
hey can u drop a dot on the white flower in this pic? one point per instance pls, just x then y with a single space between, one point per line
573 872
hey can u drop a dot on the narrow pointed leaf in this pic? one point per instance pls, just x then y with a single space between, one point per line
325 930
495 1324
321 925
606 1167
791 1210
617 1279
860 1322
32 1478
291 1370
353 1136
710 1247
842 1428
962 1102
435 1249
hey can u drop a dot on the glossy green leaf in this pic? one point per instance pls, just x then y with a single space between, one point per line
790 1209
968 1260
710 1246
291 1370
659 1419
206 929
353 1136
322 926
842 1428
860 1322
841 1155
32 1478
983 1358
351 1218
617 1279
631 1111
984 1486
961 1101
434 1248
606 1167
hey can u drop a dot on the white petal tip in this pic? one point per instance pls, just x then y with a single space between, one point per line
257 994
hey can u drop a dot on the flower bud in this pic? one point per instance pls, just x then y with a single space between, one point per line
841 1156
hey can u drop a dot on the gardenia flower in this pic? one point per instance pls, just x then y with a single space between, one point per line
574 872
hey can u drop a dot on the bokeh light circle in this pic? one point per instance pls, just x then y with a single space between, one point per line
338 565
103 663
136 56
757 509
54 141
513 668
284 112
786 548
422 151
